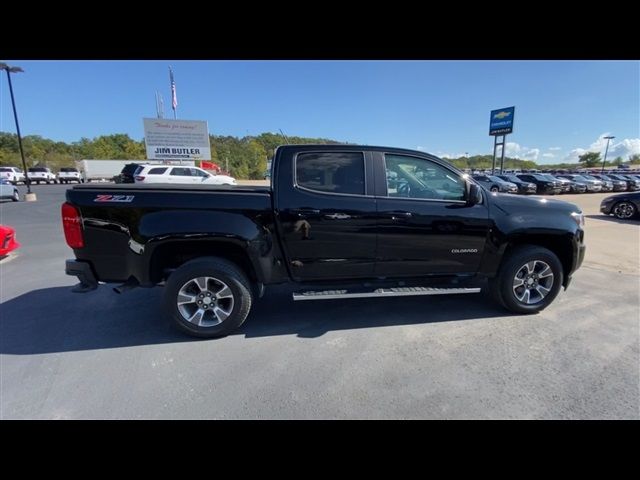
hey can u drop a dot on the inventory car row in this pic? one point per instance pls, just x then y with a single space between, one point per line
557 183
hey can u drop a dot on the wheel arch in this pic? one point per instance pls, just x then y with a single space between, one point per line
560 245
173 254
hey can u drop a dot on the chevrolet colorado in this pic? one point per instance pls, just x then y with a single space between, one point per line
339 221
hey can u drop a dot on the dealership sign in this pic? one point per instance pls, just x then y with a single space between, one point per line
501 121
176 139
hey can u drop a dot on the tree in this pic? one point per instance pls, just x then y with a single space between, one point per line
617 161
635 158
590 159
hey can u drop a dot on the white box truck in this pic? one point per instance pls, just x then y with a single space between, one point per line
104 170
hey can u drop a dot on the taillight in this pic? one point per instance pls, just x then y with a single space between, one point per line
140 178
72 225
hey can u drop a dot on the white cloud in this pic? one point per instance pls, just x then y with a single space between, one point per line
555 149
512 149
548 155
419 147
623 148
515 150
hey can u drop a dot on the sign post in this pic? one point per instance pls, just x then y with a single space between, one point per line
500 124
176 140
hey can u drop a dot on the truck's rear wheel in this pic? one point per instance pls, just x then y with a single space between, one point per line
528 280
208 297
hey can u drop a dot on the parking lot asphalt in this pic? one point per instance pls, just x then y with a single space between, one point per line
103 355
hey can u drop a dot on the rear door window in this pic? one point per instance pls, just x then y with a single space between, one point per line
331 172
181 172
157 171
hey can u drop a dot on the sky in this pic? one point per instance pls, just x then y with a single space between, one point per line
563 108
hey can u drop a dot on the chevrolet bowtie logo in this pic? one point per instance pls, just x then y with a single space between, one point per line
501 115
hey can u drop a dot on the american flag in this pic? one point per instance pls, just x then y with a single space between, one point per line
174 98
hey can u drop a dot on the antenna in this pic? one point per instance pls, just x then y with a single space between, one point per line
157 105
284 136
161 106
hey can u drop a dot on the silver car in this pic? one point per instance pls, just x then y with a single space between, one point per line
8 191
592 185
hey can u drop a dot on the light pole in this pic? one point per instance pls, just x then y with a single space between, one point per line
10 70
606 150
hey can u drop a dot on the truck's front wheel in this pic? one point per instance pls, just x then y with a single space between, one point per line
208 297
529 279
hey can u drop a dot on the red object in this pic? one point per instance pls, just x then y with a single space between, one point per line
140 178
209 166
8 241
72 225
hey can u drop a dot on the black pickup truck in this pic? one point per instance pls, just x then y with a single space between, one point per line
339 221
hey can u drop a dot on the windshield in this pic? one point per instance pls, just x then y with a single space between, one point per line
37 169
544 176
5 169
68 170
496 179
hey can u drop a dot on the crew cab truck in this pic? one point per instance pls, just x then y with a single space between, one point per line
338 222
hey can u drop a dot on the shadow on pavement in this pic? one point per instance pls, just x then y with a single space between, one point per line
611 218
56 320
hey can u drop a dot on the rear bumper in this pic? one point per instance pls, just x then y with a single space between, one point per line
84 273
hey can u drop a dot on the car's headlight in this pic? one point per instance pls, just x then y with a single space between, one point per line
578 217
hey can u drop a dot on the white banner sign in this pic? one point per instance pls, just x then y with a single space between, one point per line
176 139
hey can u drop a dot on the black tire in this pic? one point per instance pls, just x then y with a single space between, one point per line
502 286
222 270
16 196
495 189
624 210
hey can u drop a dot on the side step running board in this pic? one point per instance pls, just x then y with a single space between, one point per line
381 292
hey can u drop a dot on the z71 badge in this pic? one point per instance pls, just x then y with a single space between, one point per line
114 198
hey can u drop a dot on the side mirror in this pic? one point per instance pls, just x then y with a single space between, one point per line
474 194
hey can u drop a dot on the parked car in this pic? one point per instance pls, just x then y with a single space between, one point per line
523 187
623 206
8 242
496 184
127 174
12 174
69 174
632 184
41 174
618 185
565 184
8 190
544 183
571 186
593 186
177 174
327 227
607 185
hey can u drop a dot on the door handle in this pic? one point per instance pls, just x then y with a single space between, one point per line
305 211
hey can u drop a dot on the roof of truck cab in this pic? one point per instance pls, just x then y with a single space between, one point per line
341 146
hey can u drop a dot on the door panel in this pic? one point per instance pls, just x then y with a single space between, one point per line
421 237
424 225
326 233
